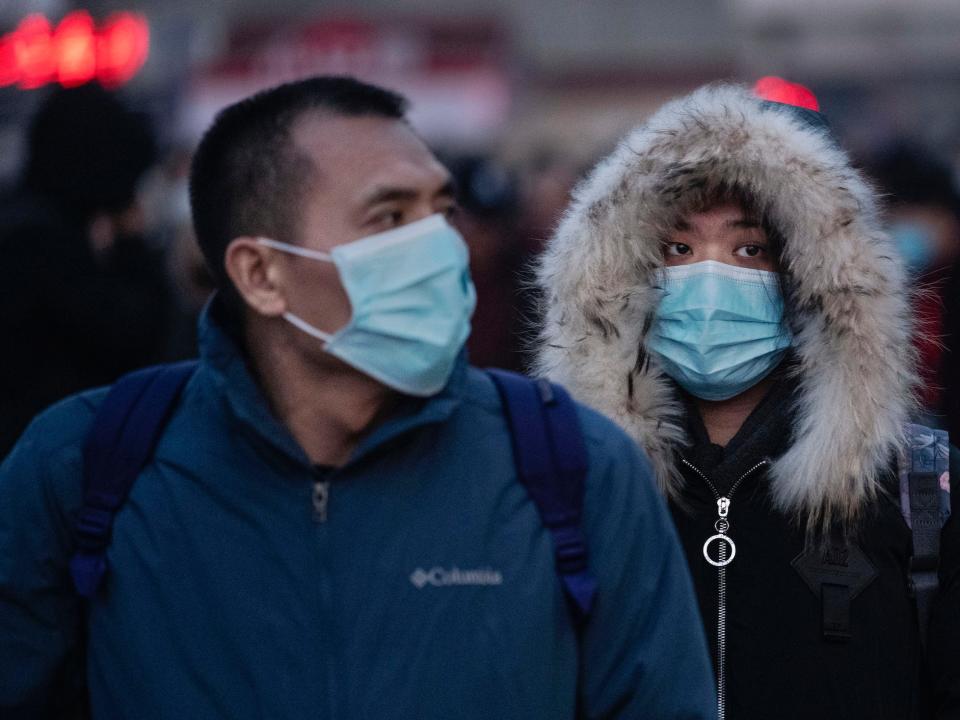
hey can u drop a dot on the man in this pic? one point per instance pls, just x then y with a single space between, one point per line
83 298
331 525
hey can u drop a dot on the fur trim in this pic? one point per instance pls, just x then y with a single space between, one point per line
846 295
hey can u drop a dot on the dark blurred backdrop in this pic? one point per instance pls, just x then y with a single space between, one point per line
519 98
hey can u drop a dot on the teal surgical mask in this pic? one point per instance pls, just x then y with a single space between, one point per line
719 329
916 242
411 298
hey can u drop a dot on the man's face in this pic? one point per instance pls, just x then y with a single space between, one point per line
725 233
370 175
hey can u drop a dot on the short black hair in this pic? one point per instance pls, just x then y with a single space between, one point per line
247 177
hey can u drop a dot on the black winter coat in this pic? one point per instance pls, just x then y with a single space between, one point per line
779 663
69 321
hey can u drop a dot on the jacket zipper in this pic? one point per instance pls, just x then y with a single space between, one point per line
722 525
320 505
320 499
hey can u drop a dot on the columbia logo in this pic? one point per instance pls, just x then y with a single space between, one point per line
442 577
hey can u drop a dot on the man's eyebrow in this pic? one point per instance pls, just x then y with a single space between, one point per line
448 189
387 193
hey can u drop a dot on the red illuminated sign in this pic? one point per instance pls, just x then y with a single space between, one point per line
75 52
783 91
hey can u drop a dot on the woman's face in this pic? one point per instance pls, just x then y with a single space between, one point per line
725 233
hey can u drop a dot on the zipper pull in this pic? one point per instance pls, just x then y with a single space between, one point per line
320 499
724 540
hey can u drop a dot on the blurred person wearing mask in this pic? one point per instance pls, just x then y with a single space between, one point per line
722 287
83 298
923 217
331 524
487 216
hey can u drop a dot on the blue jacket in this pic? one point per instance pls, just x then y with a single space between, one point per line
428 590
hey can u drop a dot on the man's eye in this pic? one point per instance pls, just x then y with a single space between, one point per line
388 219
676 248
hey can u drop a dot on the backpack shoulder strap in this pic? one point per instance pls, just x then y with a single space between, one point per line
925 504
121 441
551 461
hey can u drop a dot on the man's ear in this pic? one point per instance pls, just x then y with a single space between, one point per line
255 274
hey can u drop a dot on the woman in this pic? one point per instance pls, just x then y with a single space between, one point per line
722 288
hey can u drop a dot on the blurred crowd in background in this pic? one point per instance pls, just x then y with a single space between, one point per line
101 103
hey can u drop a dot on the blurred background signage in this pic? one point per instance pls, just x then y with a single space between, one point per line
75 51
453 72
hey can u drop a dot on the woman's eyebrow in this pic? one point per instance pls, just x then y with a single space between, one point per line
744 223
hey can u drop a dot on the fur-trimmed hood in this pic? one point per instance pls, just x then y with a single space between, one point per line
846 298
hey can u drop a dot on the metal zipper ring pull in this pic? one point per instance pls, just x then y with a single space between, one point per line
723 538
722 525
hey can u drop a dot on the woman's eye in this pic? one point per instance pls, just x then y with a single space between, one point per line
451 211
751 251
676 248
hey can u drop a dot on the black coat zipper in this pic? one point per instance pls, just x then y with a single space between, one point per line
722 525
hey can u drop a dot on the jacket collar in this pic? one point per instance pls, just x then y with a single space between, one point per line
765 434
226 366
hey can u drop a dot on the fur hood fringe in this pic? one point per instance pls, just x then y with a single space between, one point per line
846 298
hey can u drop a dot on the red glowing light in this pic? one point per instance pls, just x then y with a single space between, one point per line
33 47
75 49
122 48
783 91
9 69
35 54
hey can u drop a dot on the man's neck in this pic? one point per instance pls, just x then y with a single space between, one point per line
328 409
724 418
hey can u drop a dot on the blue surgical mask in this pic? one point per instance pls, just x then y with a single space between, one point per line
916 242
411 298
719 329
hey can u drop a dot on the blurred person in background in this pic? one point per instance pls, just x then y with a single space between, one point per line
951 355
723 288
332 522
83 299
546 180
167 201
487 215
923 215
191 283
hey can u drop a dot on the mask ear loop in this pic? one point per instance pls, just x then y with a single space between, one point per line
307 327
297 322
295 249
